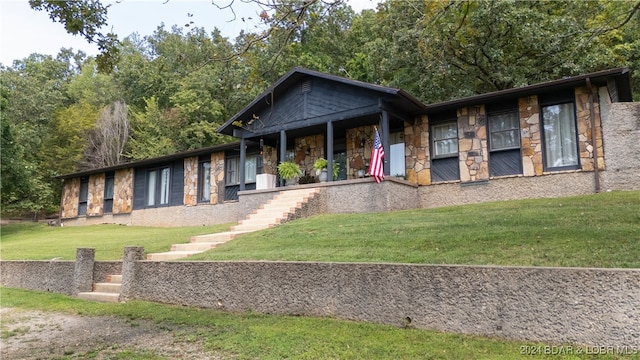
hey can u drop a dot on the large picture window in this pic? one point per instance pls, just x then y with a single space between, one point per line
560 138
158 186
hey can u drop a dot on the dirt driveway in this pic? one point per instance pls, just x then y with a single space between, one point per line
30 334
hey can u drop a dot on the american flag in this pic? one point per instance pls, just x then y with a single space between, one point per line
376 167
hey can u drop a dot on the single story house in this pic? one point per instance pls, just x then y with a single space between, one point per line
571 136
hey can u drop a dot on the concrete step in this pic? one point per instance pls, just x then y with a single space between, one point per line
196 246
252 227
99 296
114 288
217 237
114 279
171 255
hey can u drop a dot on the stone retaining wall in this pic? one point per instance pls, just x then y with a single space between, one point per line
596 307
556 305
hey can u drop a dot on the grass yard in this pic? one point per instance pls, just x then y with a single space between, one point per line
255 336
30 241
599 230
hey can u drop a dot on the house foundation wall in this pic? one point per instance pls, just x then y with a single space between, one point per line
597 307
508 188
171 216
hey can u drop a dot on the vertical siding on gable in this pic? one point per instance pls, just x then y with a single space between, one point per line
585 140
191 181
95 198
530 136
70 198
123 191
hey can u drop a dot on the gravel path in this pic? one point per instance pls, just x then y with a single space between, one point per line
30 334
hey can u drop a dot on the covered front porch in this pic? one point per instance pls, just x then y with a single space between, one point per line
307 115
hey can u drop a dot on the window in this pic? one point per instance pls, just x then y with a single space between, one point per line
560 138
233 169
84 194
444 147
158 186
445 140
204 181
108 192
504 130
504 140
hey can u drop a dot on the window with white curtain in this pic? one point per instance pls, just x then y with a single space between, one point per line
233 169
158 186
560 138
445 140
204 181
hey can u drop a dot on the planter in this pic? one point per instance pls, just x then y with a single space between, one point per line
360 173
323 175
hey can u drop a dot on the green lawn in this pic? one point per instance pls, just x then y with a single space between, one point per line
258 336
599 230
30 241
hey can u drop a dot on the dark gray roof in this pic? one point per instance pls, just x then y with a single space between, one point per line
409 103
618 78
156 160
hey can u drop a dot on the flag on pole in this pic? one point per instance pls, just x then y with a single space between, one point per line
376 167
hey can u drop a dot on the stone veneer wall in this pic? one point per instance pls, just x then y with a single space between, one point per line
270 160
585 140
530 136
357 154
472 144
190 181
418 159
70 198
307 150
123 191
95 197
217 178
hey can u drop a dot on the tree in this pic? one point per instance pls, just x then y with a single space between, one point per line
85 18
107 142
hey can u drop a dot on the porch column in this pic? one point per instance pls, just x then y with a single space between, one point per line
243 159
385 142
329 151
283 150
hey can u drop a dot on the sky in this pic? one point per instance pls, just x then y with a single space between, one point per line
24 31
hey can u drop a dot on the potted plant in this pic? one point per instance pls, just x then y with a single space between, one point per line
289 171
321 165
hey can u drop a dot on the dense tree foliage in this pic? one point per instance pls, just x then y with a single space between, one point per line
171 90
